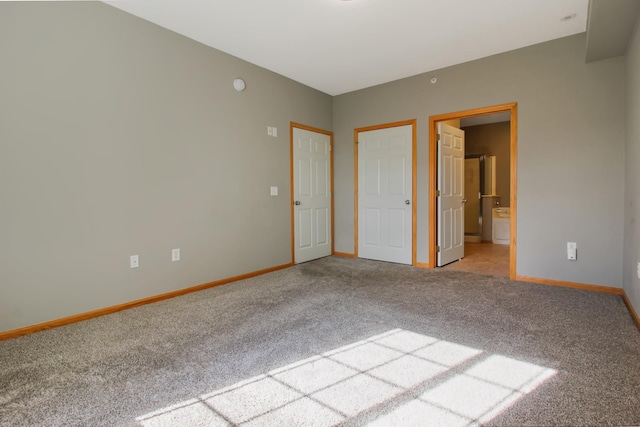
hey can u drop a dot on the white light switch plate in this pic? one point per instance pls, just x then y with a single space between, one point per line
175 254
274 191
134 261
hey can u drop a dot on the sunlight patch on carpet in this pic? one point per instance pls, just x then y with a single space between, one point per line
405 377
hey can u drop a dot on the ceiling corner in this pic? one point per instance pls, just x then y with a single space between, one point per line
610 25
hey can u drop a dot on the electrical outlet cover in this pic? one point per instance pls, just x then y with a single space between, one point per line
134 261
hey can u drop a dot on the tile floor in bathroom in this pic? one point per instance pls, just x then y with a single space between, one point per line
483 258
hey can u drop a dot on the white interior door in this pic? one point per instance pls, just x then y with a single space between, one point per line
385 194
450 194
311 195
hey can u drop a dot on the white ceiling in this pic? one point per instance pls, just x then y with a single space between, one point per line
338 46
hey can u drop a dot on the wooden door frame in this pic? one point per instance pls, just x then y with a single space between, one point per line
433 174
414 164
292 126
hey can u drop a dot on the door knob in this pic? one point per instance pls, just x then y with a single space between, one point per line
407 202
297 202
464 200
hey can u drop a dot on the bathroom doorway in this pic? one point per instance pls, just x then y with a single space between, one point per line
491 156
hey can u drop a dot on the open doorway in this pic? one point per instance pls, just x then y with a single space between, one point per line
491 251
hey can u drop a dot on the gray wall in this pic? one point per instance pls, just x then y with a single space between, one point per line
118 137
632 178
493 139
571 119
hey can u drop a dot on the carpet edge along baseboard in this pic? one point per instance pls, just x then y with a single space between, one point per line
587 287
344 254
573 285
27 330
632 310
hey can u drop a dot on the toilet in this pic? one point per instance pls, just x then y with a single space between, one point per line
501 228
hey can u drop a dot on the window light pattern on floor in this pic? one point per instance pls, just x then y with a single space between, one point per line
409 373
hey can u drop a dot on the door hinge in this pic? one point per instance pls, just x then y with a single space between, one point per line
437 193
437 248
357 142
437 137
330 148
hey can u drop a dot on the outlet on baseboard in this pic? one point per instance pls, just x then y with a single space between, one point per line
572 251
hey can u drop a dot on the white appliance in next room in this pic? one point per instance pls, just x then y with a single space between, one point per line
501 227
